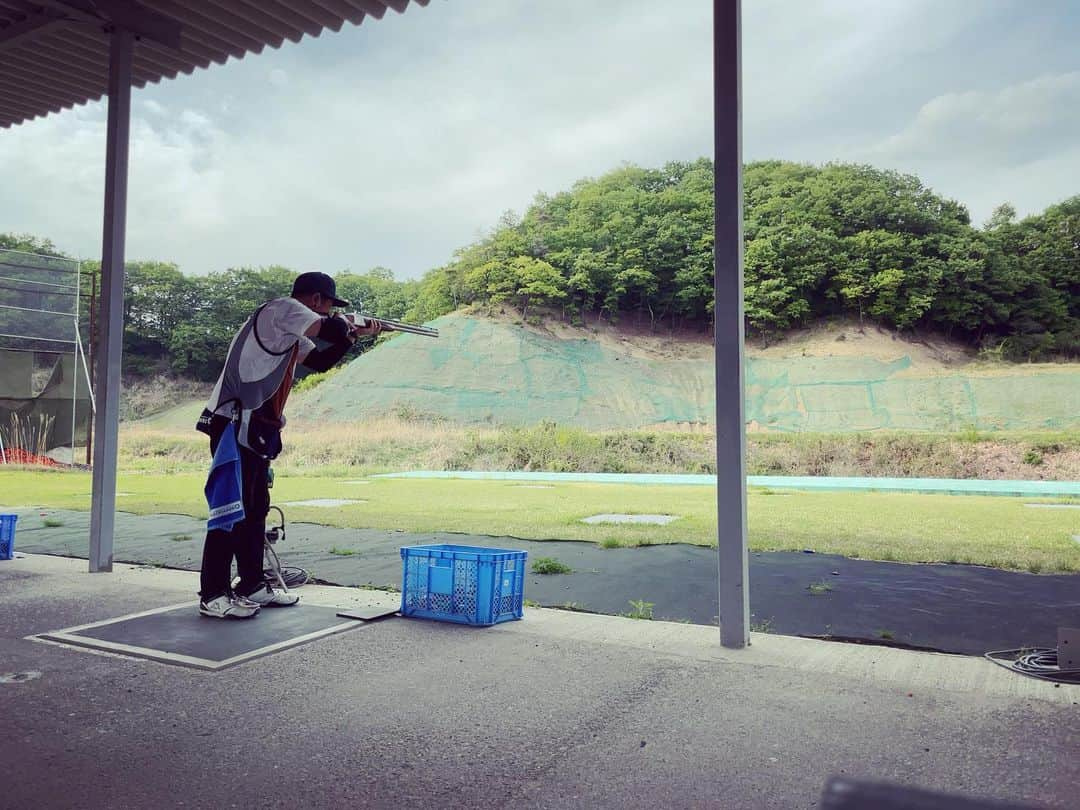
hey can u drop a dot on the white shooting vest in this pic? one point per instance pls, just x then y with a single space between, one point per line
237 400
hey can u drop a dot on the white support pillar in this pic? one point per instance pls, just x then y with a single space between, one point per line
728 319
111 330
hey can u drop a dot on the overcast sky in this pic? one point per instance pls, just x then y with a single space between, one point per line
396 142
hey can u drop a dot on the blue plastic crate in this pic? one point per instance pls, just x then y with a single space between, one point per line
7 536
463 584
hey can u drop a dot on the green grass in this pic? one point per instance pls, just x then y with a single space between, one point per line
641 609
993 531
549 565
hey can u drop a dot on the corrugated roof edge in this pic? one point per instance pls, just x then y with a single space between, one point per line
54 68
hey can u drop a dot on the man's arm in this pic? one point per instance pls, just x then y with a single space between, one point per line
325 359
340 334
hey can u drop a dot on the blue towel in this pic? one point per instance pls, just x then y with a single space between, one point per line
224 491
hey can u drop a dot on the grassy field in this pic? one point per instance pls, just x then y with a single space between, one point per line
999 532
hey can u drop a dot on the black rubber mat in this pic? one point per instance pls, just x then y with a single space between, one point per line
954 608
180 635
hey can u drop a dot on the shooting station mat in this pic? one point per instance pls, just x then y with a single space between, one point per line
178 634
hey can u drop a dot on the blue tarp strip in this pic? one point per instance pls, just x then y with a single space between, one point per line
943 486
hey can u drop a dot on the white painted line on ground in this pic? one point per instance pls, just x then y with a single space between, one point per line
90 650
1053 505
115 619
132 651
658 520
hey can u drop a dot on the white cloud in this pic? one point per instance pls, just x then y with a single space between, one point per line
1011 126
803 60
1016 143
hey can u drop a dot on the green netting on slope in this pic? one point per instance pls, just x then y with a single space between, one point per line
837 394
483 371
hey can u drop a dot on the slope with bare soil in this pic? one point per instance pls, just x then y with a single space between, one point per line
836 378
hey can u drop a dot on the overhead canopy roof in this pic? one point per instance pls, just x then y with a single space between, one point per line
54 54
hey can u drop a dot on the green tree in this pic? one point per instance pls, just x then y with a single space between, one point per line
376 292
538 283
888 276
1004 214
28 243
432 296
785 269
1051 250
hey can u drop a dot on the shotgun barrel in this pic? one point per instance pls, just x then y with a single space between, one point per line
398 326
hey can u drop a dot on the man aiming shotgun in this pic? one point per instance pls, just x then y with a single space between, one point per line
244 418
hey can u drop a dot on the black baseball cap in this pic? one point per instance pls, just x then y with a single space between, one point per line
307 283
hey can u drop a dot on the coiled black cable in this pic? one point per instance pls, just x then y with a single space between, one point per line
294 576
1036 662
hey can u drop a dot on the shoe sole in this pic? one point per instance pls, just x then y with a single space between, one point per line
273 604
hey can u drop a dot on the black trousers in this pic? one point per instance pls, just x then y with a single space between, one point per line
245 540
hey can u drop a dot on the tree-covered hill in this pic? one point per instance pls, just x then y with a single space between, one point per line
636 243
838 239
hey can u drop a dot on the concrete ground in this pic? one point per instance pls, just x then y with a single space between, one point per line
558 710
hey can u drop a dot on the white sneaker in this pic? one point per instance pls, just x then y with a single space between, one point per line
245 602
222 607
272 597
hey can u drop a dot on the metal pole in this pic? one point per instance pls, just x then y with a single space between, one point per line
75 359
89 366
728 327
107 378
